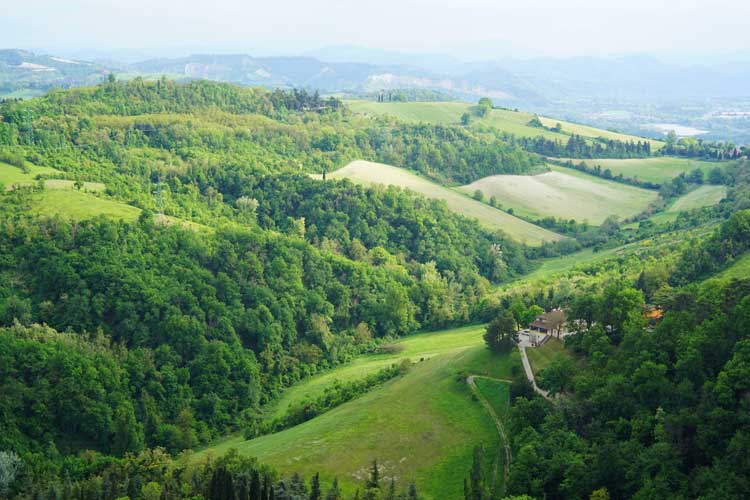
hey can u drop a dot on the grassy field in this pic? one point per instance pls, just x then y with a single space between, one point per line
564 193
11 175
740 268
513 122
704 196
422 425
656 169
541 357
377 173
587 131
75 204
497 393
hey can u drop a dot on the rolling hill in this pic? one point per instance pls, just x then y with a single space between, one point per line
422 425
564 193
655 169
505 120
377 173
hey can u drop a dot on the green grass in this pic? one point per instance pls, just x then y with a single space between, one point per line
704 196
541 357
587 131
497 393
564 193
513 122
377 173
77 205
422 425
414 347
656 169
739 269
11 175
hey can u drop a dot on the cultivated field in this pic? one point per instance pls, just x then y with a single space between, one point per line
513 122
587 131
656 169
422 425
377 173
564 193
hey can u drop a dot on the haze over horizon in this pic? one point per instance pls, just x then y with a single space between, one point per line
473 30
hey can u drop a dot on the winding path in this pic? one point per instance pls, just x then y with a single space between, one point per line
530 373
498 423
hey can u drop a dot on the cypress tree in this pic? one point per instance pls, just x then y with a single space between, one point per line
374 480
255 488
315 493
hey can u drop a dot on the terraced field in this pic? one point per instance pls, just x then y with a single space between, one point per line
377 173
655 169
564 193
422 425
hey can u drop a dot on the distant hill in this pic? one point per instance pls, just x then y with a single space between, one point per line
25 74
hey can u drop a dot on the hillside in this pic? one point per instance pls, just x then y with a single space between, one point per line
489 217
504 120
563 193
421 426
656 169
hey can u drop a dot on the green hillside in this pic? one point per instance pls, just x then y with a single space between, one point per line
655 169
513 122
422 425
491 218
564 193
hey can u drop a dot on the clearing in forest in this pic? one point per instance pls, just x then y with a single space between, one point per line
422 425
367 172
564 193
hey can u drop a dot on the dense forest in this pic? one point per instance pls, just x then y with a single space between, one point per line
646 412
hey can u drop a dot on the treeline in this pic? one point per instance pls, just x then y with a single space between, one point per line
691 147
155 475
580 147
644 412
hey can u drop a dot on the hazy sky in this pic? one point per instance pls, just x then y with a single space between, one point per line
461 27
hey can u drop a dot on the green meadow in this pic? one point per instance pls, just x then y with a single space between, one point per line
655 169
366 172
420 426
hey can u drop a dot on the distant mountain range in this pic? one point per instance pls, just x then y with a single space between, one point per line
628 93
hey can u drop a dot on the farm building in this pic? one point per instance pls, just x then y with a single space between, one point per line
550 322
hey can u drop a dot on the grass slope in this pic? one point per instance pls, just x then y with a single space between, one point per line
513 122
587 131
75 205
739 269
704 196
13 176
541 357
377 173
422 425
564 193
656 169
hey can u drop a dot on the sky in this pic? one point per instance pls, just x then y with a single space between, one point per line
468 29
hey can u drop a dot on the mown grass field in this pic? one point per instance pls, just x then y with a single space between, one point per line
513 122
377 173
564 193
655 169
541 357
422 425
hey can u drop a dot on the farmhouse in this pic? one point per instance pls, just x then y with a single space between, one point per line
550 322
